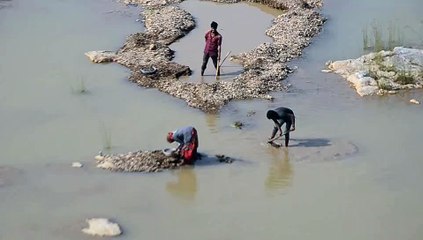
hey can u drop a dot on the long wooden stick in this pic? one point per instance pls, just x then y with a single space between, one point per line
277 137
221 62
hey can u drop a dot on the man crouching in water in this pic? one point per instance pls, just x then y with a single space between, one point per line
188 143
280 116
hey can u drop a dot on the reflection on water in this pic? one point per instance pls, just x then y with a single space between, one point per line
266 9
185 186
211 120
280 170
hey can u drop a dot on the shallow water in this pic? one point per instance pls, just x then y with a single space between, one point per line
47 123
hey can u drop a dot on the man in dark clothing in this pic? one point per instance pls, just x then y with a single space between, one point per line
213 48
280 116
188 143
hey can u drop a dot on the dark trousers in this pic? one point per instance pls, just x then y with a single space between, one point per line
287 128
206 57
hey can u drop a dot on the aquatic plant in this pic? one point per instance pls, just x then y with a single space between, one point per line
404 78
81 87
378 59
107 137
379 45
394 36
365 38
374 41
384 85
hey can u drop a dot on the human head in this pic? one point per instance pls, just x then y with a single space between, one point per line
271 114
169 137
213 25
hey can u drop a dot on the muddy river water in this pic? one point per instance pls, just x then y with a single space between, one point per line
354 170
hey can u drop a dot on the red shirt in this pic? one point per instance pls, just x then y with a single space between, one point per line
213 41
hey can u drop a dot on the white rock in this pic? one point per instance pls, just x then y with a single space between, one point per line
99 158
76 164
414 101
101 56
102 227
106 165
385 65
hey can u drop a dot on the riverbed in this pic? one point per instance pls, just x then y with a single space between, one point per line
57 108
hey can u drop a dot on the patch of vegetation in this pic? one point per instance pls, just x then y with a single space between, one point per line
394 36
373 74
390 68
81 88
384 85
378 59
404 78
107 137
379 45
238 124
365 38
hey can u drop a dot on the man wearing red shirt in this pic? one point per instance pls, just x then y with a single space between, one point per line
213 47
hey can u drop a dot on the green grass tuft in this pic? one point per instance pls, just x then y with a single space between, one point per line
404 78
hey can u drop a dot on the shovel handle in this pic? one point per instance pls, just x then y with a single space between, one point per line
274 138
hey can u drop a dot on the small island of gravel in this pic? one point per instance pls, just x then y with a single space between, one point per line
264 67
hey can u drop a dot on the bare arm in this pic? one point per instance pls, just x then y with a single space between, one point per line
293 123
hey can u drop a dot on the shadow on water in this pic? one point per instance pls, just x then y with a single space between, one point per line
311 142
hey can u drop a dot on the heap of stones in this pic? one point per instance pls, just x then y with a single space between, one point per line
149 161
140 161
264 67
384 72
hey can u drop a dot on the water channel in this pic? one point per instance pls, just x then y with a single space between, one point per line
57 108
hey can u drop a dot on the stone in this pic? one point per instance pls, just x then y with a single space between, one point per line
414 101
101 56
76 164
102 227
106 165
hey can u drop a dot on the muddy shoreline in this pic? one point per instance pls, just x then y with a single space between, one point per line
264 67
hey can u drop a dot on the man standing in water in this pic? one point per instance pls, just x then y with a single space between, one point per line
188 143
280 116
213 48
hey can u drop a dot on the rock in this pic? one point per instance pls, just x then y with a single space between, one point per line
102 227
140 161
382 72
101 56
414 101
106 165
152 47
99 157
76 164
